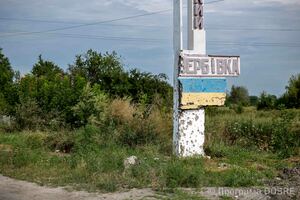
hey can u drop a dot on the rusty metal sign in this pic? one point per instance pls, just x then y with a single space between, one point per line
195 65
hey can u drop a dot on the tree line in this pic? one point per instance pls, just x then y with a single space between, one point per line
55 97
239 95
51 95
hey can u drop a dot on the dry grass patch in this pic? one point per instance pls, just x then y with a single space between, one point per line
122 110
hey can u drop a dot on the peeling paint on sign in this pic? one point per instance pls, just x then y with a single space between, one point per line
197 85
197 100
196 93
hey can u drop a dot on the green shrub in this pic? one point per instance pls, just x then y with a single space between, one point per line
238 108
285 140
238 177
218 111
136 134
61 141
184 173
249 133
91 106
216 150
35 140
127 123
266 102
28 115
23 158
272 135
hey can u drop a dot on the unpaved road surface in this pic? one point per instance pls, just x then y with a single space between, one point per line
11 189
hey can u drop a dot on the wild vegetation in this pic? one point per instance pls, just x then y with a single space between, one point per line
76 127
50 98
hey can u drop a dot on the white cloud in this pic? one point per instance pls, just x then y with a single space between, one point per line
156 5
148 5
229 14
284 2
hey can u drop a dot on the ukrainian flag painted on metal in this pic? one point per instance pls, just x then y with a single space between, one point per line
202 92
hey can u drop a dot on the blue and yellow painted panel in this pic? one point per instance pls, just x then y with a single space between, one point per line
200 92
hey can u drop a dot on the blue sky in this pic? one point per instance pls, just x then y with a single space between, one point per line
265 33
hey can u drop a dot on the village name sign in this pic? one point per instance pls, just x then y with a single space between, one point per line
196 65
199 80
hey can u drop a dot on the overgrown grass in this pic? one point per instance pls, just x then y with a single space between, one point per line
92 157
181 195
275 131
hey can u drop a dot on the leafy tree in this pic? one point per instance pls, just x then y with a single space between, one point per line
28 87
8 92
266 102
292 96
107 71
3 104
91 106
45 68
254 100
62 98
7 74
103 69
145 87
54 91
238 95
29 115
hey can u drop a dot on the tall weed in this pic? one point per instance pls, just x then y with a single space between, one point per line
275 135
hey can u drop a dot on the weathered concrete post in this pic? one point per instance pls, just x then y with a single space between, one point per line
177 45
188 124
199 80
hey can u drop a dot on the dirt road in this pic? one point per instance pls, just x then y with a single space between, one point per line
11 189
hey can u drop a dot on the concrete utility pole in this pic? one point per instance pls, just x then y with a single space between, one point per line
177 45
188 124
198 80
